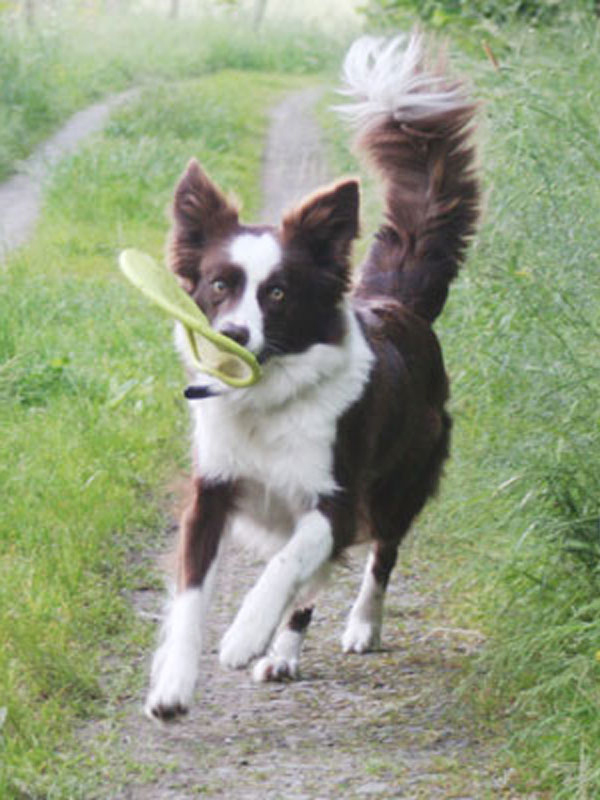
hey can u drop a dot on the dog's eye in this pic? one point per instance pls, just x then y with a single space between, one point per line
219 287
276 293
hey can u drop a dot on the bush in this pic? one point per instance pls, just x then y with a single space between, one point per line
439 12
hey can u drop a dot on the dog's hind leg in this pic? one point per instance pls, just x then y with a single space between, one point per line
363 629
283 659
391 520
391 523
175 664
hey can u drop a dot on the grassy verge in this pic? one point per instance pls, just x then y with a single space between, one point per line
92 421
515 538
529 402
65 63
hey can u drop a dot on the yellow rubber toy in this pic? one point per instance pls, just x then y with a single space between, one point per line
214 354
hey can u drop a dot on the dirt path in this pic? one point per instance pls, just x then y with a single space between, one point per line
294 160
382 725
20 196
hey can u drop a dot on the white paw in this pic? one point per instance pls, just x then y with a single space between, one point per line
275 668
361 636
173 681
241 644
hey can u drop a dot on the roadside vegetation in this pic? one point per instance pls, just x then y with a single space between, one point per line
515 538
92 424
524 344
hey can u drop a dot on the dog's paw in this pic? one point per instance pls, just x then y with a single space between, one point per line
361 636
275 668
163 710
240 645
167 704
173 682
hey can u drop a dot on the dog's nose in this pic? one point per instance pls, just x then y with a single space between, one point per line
239 333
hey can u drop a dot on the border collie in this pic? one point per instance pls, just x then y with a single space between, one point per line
343 439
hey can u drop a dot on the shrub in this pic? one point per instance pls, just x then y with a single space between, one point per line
439 12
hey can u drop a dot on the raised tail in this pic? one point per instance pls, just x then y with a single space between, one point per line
414 124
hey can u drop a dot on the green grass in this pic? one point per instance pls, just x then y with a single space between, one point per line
514 540
93 424
65 63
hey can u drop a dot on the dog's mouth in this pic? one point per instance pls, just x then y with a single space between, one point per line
204 391
200 392
263 356
269 351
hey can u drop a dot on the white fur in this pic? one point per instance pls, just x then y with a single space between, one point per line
258 256
387 77
283 660
285 575
363 629
175 663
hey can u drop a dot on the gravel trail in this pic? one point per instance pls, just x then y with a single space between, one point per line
294 162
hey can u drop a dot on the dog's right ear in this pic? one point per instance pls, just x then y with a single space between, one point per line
200 207
201 212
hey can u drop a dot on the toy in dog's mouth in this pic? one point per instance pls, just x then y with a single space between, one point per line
213 353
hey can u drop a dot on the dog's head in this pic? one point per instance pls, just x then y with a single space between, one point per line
273 290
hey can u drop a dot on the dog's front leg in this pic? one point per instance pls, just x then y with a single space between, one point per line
297 563
175 664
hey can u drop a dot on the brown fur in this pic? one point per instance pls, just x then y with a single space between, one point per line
201 214
432 201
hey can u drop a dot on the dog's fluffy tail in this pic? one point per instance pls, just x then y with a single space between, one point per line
414 124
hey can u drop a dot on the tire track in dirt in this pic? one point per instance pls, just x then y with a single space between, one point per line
373 726
294 161
21 195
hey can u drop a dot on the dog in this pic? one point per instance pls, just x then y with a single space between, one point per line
343 439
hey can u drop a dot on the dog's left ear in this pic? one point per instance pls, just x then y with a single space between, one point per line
326 223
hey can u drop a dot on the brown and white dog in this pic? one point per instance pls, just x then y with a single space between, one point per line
344 437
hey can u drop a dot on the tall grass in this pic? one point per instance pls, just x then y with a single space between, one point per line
66 62
92 420
522 334
516 532
529 310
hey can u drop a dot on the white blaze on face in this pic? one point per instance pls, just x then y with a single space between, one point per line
258 256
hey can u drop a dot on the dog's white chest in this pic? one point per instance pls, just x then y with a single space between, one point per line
282 433
289 450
